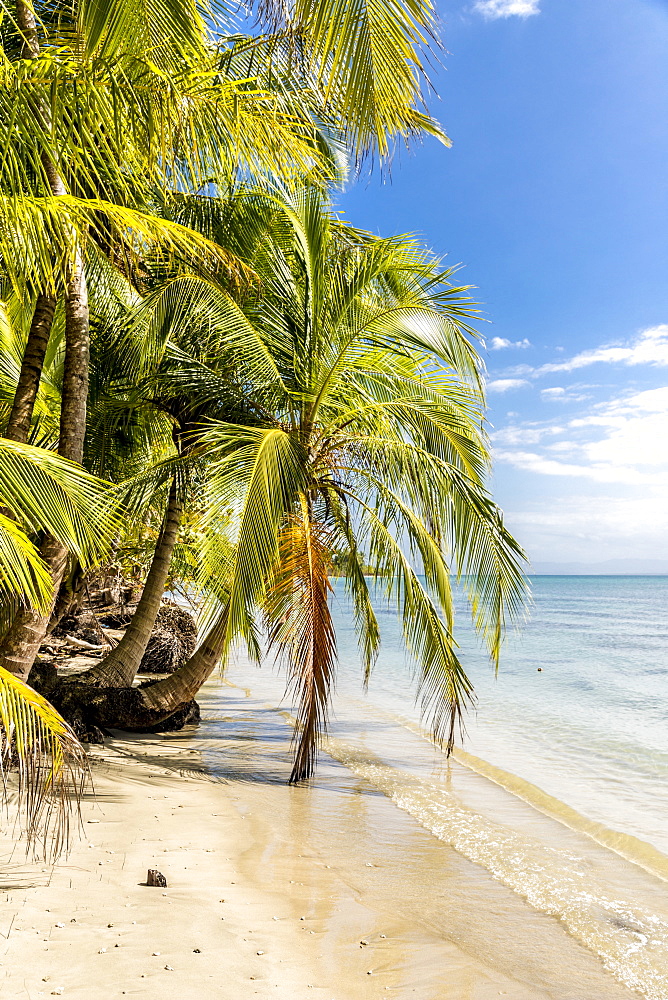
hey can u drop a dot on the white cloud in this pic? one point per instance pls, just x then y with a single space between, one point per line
556 392
637 431
524 434
601 472
620 441
505 384
498 343
649 348
507 8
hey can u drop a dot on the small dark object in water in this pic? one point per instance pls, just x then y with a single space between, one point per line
156 878
540 670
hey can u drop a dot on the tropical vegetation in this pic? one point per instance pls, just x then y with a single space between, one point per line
192 338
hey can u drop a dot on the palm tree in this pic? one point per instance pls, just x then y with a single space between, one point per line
151 106
363 438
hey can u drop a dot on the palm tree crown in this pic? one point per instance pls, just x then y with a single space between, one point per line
363 442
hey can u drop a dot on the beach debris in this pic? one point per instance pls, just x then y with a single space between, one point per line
259 953
59 990
82 644
110 925
45 979
102 951
383 936
172 641
370 972
196 951
55 925
154 953
93 821
363 943
156 878
169 968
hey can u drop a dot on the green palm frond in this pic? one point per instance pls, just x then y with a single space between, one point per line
366 57
44 768
45 492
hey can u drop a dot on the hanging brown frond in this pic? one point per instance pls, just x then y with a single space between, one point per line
300 628
44 767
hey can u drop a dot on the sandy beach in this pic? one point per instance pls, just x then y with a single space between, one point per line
327 891
232 922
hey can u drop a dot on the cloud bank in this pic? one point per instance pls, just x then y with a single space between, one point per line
620 441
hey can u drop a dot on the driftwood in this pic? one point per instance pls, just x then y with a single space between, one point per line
82 644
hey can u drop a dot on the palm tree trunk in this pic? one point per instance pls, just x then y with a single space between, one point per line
119 668
20 417
18 427
21 642
165 697
25 18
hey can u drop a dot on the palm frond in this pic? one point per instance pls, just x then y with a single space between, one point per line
44 768
300 627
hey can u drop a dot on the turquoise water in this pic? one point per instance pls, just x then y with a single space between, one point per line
561 791
590 728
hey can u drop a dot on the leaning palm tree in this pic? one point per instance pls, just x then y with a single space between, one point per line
114 111
364 442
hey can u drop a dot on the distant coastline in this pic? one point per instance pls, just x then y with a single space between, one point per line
610 567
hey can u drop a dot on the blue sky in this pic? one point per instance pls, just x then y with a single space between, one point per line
554 197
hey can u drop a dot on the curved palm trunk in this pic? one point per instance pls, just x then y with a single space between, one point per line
20 417
21 642
18 427
165 697
25 18
121 665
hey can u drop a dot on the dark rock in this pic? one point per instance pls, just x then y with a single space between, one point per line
156 878
43 678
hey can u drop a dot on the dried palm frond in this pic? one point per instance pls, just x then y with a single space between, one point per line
300 628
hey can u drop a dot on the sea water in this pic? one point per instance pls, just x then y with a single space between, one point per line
579 706
558 790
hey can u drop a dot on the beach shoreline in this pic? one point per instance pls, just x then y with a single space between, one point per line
330 890
230 923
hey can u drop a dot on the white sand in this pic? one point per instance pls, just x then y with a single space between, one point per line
242 915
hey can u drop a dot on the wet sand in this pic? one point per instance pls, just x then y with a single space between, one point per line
328 891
